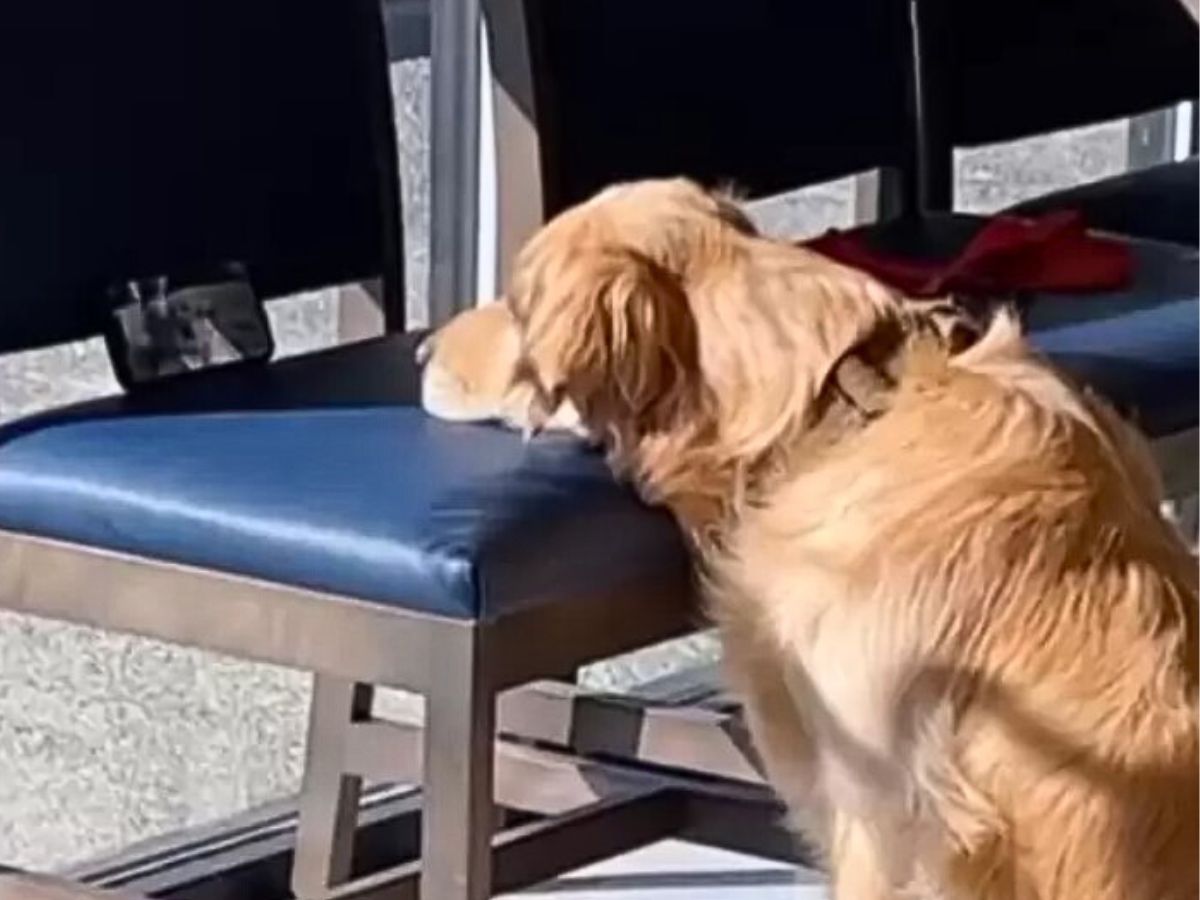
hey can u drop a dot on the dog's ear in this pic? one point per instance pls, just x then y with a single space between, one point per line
649 335
609 329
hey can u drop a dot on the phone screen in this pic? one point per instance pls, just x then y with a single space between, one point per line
159 331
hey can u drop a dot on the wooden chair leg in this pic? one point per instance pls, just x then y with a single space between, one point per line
460 724
329 797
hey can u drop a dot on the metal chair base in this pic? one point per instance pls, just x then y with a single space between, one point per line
590 776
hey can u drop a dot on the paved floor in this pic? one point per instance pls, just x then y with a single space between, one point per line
106 740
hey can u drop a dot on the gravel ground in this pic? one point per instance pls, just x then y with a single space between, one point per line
106 739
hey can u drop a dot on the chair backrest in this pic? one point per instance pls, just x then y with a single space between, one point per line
1003 71
766 94
1025 67
139 137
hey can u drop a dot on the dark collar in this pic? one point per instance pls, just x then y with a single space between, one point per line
861 386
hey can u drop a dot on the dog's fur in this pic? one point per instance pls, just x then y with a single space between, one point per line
966 639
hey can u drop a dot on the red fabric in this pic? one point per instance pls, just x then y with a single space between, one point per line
1053 252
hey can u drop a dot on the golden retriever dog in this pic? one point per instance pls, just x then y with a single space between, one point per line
965 638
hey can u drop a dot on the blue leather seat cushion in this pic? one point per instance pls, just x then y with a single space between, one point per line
1158 203
322 472
1137 347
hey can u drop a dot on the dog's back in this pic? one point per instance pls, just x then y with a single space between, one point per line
991 550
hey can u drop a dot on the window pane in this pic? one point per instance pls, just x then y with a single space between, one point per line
991 178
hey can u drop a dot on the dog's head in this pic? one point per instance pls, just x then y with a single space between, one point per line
601 295
698 350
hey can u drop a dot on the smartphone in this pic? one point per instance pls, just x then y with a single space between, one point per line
165 326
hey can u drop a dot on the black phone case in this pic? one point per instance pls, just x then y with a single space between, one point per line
164 328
